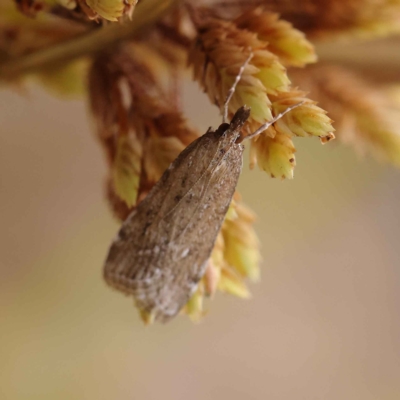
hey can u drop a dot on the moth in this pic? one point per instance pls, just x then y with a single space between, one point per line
162 249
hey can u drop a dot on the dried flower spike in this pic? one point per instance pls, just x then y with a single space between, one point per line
287 43
139 130
220 51
258 40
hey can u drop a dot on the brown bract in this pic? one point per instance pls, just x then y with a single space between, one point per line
139 127
269 44
161 251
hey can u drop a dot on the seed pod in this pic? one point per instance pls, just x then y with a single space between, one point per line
161 251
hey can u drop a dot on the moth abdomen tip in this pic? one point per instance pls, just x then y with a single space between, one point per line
241 116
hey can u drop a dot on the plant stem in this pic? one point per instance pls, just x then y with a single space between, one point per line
147 13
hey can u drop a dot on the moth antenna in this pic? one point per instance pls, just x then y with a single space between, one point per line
264 127
231 91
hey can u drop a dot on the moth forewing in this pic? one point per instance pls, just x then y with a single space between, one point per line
162 248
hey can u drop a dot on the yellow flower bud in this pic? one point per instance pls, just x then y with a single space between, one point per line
288 43
305 120
126 170
241 243
232 283
274 155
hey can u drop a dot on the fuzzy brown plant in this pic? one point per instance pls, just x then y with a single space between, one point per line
262 44
139 52
133 119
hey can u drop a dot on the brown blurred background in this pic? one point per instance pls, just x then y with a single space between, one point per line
323 322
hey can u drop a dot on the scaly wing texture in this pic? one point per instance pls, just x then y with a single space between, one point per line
162 248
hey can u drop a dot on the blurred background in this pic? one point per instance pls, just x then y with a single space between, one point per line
323 323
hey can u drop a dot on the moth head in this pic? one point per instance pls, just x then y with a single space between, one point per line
222 128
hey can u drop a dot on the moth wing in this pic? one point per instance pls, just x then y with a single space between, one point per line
161 250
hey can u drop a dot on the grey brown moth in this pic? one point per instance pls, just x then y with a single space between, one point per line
162 248
161 251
